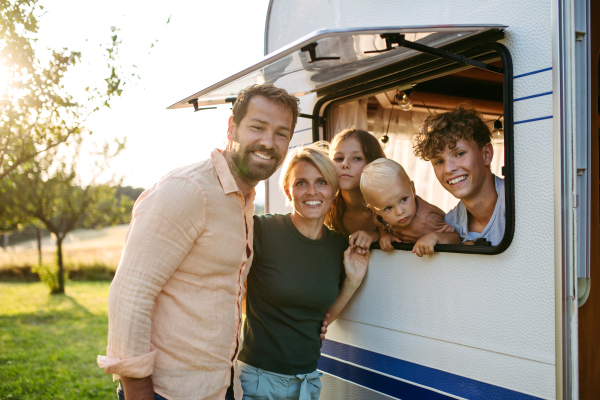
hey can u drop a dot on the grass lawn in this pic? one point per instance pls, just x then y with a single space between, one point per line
49 344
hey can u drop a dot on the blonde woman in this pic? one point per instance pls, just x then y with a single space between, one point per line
301 271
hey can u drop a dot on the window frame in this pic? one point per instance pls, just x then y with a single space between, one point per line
422 68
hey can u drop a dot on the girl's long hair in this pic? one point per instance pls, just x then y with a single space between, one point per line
372 151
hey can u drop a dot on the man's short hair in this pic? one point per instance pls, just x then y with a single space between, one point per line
318 155
439 130
240 107
380 174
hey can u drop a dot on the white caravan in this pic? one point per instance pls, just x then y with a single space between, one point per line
470 322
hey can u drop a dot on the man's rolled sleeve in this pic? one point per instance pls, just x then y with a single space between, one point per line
167 220
134 367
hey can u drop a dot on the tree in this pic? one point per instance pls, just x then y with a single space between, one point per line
37 113
51 191
11 217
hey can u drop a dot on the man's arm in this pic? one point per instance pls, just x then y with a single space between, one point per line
448 238
165 225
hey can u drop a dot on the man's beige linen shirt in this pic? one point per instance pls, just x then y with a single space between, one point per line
175 302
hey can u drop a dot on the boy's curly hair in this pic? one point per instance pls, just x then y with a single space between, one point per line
439 130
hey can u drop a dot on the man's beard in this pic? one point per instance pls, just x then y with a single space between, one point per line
250 170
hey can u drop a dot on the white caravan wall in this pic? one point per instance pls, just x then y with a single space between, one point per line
489 318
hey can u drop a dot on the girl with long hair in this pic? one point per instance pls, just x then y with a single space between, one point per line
351 150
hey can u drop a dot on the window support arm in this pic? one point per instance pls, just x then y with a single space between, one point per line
396 38
320 120
196 108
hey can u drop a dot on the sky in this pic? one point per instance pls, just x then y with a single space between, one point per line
203 43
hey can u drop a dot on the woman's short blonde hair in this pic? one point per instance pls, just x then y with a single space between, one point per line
318 155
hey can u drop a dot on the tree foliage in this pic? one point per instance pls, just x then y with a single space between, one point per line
36 113
50 190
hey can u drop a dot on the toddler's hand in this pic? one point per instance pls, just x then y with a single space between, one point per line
385 242
360 241
425 244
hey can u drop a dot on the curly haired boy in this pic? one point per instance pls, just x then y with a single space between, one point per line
458 144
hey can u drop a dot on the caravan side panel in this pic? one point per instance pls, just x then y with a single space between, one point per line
450 325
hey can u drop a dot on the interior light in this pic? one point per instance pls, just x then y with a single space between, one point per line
404 101
498 131
384 139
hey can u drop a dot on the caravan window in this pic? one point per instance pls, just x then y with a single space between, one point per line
395 114
351 71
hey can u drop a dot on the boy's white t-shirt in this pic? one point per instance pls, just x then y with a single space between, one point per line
493 232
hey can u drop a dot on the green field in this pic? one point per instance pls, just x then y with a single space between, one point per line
49 344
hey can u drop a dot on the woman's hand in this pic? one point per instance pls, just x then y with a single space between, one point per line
324 327
355 265
385 242
356 268
361 240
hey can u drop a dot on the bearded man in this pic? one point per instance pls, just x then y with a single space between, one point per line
175 301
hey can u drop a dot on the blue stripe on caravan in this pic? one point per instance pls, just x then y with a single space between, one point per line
443 381
532 96
531 120
381 383
532 72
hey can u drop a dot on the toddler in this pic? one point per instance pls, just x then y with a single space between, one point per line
390 194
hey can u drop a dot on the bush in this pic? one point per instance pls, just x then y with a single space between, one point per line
76 272
50 278
22 273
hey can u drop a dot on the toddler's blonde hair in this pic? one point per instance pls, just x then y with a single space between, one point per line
380 174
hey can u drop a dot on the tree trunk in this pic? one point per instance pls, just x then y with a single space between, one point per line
61 270
39 244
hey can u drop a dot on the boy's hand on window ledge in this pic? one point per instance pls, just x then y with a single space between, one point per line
385 242
425 245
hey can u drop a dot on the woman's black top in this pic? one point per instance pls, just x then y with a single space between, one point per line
292 282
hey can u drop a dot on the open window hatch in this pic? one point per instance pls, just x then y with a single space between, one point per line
387 81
